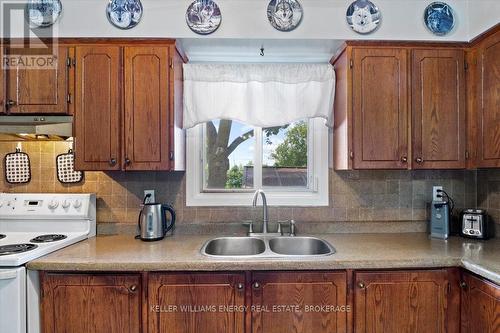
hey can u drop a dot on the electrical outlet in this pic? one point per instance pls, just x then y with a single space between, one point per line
435 196
152 197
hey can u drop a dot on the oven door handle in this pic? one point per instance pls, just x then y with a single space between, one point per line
8 275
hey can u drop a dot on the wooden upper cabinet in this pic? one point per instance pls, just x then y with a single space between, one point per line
406 301
90 303
97 108
480 305
438 109
40 91
380 108
323 293
147 105
488 102
196 302
2 90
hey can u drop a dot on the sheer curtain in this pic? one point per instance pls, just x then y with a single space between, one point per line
262 95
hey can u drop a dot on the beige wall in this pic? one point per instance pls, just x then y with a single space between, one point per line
354 196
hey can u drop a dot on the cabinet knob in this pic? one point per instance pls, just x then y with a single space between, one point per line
240 286
112 161
10 103
256 285
419 160
463 285
404 159
361 285
127 161
133 288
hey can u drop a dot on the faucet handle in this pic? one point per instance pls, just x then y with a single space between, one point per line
280 230
292 228
250 226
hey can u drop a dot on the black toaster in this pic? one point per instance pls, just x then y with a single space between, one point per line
474 224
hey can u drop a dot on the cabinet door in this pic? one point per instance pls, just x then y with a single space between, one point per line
405 301
97 108
489 102
480 305
299 302
39 90
196 302
438 108
91 303
147 108
380 108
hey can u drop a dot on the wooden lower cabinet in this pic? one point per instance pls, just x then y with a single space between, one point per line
299 302
480 305
407 301
196 303
91 303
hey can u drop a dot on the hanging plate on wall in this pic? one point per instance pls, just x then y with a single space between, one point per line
363 16
438 18
124 14
43 13
203 16
284 15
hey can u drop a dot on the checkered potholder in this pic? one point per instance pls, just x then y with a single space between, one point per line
17 168
66 173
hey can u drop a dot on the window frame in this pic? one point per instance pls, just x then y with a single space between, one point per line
315 195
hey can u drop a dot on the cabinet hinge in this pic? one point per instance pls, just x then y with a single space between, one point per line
449 287
171 156
69 99
68 62
171 63
466 65
351 63
351 154
466 155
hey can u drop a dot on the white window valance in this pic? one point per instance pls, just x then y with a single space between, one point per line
262 95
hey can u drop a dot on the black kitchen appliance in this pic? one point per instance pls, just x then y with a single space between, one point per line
474 223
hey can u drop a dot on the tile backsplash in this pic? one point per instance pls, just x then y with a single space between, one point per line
488 193
355 196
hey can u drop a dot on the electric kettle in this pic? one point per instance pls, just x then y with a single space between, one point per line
153 222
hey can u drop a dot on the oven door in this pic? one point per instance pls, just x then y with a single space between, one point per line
13 299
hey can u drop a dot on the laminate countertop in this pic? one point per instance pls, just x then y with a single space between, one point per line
353 251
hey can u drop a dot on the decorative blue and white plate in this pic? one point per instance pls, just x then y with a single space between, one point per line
363 16
43 13
284 15
124 14
203 16
438 18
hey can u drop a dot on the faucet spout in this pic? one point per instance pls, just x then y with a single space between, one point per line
265 220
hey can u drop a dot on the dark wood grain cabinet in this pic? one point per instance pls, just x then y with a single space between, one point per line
97 105
399 108
438 109
480 305
380 108
300 302
42 90
126 107
91 303
406 301
486 84
196 302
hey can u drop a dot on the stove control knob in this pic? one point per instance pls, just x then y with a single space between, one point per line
53 204
66 204
77 204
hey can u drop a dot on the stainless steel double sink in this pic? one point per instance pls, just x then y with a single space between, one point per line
267 247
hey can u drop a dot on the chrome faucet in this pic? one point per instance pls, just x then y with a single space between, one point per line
265 219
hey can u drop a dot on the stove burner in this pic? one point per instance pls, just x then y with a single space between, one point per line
16 248
48 238
2 236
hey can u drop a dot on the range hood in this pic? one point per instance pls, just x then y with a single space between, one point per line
37 125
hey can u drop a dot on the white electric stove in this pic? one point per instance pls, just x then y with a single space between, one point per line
33 225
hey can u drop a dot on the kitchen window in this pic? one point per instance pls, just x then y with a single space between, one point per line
228 160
